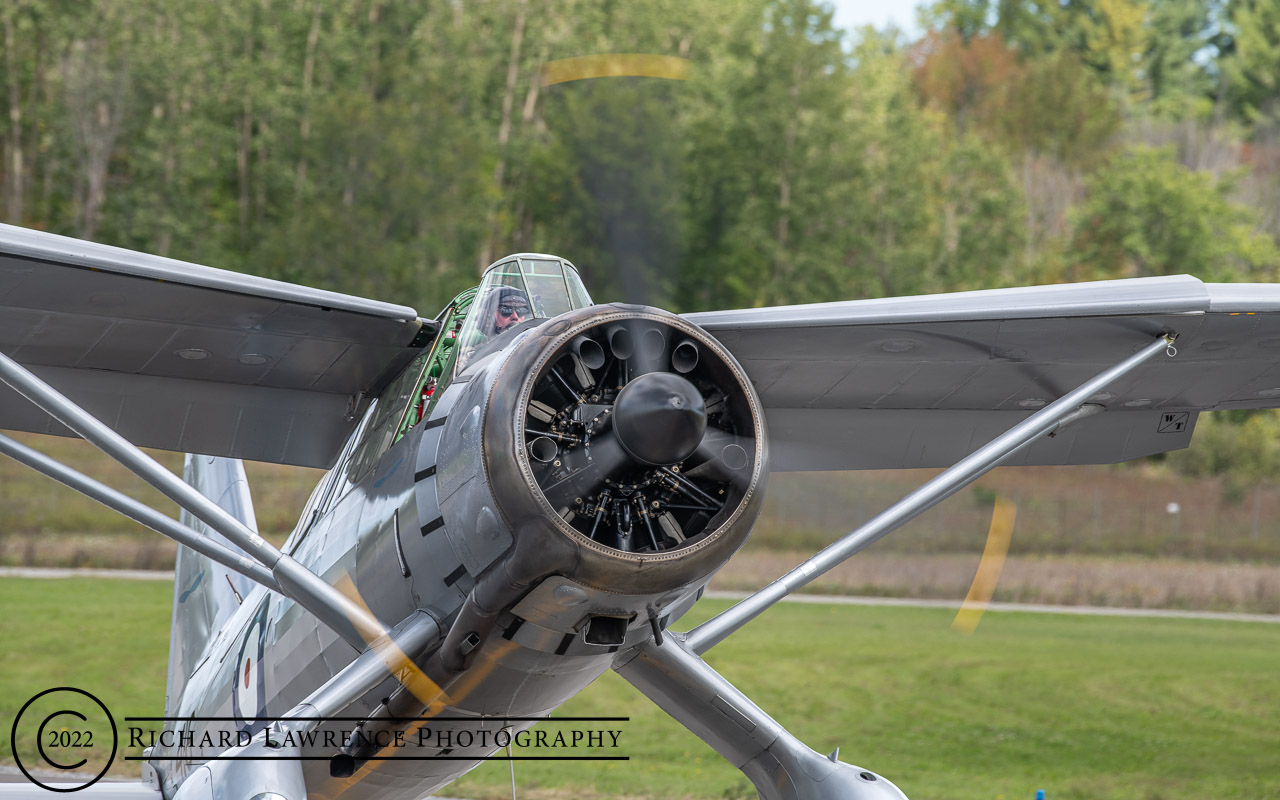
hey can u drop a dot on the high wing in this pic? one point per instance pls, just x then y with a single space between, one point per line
184 357
923 381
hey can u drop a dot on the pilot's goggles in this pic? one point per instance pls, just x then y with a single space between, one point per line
508 310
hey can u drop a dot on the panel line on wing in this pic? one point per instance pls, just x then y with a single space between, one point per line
164 348
332 363
898 386
107 331
973 376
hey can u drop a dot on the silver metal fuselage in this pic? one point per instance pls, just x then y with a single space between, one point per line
409 536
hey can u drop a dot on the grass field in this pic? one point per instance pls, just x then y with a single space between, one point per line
107 637
1081 707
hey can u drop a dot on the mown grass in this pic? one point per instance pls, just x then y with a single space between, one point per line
107 637
1082 707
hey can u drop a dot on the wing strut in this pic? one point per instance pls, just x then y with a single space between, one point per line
139 512
356 625
780 765
1066 409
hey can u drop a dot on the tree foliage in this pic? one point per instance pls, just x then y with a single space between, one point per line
1148 215
1252 72
393 149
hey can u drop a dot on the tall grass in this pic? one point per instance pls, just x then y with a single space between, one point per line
1103 511
1092 511
31 503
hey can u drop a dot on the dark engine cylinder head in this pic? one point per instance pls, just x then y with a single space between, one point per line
629 444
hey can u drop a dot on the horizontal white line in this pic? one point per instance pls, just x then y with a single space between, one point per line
827 599
1101 611
60 572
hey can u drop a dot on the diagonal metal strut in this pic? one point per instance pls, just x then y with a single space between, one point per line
355 624
1068 408
139 512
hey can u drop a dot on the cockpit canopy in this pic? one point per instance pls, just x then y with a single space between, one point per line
518 288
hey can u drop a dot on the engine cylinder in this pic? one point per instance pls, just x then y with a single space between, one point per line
660 460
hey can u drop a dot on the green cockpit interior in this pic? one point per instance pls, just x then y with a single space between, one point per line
513 290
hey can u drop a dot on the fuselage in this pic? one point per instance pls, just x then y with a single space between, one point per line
425 524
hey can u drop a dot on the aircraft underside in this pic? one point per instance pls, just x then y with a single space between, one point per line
532 489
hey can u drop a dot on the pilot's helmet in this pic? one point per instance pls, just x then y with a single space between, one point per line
509 306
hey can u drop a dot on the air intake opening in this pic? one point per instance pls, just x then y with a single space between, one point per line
606 631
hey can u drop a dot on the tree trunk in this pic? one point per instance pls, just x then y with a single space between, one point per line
304 125
349 190
13 191
242 165
96 98
260 186
42 169
782 266
103 142
243 148
504 132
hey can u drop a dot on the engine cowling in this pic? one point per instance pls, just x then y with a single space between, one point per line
629 444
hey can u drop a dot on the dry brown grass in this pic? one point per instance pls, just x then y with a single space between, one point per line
1084 535
32 504
88 550
1072 580
1109 511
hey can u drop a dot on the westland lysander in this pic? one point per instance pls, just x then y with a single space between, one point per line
530 489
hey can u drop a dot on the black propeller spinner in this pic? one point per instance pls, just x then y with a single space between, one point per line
639 436
659 419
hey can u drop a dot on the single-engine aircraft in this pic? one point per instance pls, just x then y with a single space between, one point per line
530 489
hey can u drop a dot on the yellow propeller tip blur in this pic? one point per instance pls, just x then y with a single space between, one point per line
614 65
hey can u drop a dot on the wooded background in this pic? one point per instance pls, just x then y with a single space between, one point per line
392 149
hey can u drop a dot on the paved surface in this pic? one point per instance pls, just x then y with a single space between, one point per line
15 786
848 600
55 573
149 575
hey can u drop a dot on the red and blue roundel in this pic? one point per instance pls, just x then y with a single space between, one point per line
249 689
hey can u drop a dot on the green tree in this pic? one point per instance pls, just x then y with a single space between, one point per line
1241 446
1114 38
598 166
1252 70
1145 214
1058 107
1178 79
1148 52
769 145
1052 105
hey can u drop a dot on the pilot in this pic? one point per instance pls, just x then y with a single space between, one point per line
510 307
500 309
